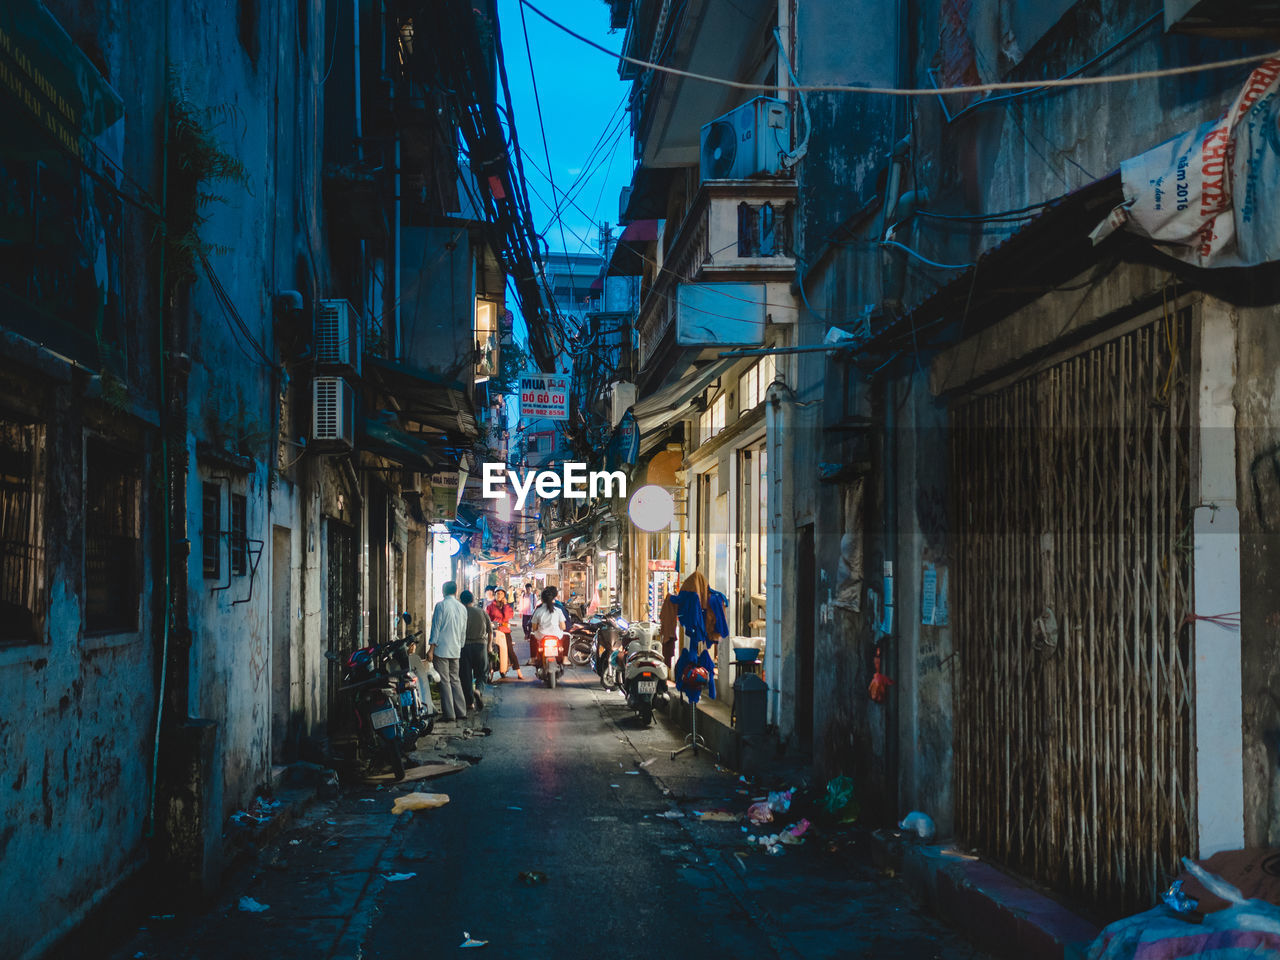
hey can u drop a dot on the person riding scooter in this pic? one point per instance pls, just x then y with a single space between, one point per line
548 618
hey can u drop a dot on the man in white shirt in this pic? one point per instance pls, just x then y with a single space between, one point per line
448 633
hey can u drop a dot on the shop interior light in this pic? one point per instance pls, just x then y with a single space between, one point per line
651 508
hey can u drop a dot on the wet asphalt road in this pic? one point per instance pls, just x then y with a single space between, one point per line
566 784
561 790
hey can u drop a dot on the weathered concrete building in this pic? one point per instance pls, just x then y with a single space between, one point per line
1025 473
249 312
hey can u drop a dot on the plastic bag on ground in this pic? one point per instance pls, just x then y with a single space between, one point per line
921 824
839 800
419 801
759 813
780 801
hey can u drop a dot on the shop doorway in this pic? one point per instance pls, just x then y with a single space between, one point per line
341 596
752 541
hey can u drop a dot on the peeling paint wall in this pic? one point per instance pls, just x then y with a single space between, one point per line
235 70
1257 402
1002 154
76 741
77 733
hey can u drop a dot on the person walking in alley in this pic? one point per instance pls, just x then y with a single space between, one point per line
501 612
475 651
448 633
525 609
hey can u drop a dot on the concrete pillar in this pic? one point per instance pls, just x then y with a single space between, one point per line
1219 745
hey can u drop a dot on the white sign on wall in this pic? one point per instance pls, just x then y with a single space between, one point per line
544 395
720 314
1209 195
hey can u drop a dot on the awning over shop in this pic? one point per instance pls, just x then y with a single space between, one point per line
384 440
629 253
647 195
672 402
427 398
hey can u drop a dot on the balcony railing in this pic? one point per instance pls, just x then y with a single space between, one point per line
736 230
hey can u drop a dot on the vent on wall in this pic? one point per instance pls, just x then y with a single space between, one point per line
333 412
338 336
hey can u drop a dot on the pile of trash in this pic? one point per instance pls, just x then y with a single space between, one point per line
774 842
764 810
792 814
260 811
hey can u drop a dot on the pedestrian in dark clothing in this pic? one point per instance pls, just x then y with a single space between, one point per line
525 608
475 651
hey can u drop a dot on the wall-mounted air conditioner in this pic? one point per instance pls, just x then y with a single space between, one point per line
333 412
747 142
338 339
622 396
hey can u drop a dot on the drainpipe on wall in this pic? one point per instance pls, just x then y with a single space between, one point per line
188 788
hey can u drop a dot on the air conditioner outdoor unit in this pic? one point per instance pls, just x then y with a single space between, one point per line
333 412
622 396
338 335
747 142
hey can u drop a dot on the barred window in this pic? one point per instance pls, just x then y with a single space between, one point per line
23 578
239 535
112 539
211 531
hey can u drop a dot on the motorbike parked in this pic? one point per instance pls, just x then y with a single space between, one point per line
582 638
386 701
644 671
608 651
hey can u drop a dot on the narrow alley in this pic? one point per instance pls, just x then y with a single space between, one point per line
885 391
569 788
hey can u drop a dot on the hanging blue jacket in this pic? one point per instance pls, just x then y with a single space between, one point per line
694 619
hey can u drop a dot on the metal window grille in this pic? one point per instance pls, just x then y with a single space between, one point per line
112 538
239 535
1074 748
23 579
211 531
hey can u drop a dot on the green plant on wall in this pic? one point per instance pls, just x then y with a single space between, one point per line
196 158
